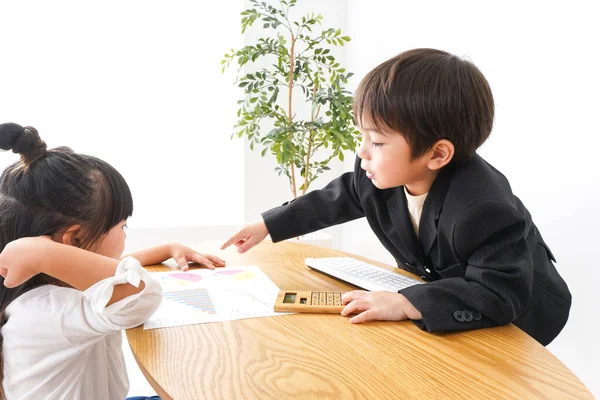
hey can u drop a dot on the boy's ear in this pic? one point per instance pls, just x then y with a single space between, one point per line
72 236
440 154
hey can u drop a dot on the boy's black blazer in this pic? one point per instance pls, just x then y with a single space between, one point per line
485 259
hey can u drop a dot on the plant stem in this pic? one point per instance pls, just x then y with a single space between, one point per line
310 139
306 165
291 86
286 11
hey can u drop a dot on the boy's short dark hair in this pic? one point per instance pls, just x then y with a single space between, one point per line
428 95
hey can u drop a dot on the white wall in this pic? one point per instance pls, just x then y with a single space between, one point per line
138 84
542 61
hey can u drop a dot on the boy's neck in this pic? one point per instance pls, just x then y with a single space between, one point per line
422 186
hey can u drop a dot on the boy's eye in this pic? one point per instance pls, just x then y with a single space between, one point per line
125 227
376 144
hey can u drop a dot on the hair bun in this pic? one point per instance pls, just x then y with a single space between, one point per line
22 140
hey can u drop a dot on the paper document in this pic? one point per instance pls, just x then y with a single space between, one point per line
222 294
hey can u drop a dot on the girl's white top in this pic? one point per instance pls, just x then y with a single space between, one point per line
60 343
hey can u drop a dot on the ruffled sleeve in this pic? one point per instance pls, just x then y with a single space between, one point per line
86 315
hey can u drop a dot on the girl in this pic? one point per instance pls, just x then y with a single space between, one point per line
65 296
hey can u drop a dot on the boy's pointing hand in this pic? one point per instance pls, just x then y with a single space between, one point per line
248 237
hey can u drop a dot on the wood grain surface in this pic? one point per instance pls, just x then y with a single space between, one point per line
304 356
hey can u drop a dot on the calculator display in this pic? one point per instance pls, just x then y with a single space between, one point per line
289 298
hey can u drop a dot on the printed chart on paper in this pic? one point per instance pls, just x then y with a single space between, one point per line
223 294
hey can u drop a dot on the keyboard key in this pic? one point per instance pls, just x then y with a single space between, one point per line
361 274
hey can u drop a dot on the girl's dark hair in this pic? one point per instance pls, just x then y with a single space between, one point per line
428 95
51 190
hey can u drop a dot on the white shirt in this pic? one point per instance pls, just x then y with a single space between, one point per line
415 208
60 343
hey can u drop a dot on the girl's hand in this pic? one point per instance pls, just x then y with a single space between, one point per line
183 254
22 259
382 306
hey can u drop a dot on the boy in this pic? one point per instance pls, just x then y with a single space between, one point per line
442 211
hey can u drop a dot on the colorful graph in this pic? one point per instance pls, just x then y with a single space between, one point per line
236 274
196 298
203 296
184 276
181 278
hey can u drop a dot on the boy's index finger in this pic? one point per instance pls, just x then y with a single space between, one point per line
227 243
348 297
231 241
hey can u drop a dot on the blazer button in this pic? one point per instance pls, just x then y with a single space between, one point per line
458 315
476 315
468 316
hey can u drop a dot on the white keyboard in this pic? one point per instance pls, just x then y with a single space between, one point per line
361 274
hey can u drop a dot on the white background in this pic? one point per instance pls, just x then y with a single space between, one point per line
139 85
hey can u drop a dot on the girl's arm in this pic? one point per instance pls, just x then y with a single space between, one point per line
182 254
24 258
151 256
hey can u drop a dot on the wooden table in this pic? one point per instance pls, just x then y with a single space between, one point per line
324 356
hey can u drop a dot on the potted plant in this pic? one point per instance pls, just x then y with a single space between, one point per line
298 53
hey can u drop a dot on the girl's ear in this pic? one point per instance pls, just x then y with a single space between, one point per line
440 154
72 236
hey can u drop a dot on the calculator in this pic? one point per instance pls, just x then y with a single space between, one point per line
308 302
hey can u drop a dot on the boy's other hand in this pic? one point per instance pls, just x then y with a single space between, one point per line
248 237
183 254
377 306
22 259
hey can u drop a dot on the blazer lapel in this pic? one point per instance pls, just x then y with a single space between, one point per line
428 225
433 208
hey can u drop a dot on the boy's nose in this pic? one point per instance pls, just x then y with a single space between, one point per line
362 151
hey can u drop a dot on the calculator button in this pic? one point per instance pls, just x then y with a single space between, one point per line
337 299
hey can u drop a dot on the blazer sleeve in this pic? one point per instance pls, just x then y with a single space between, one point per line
489 239
336 203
